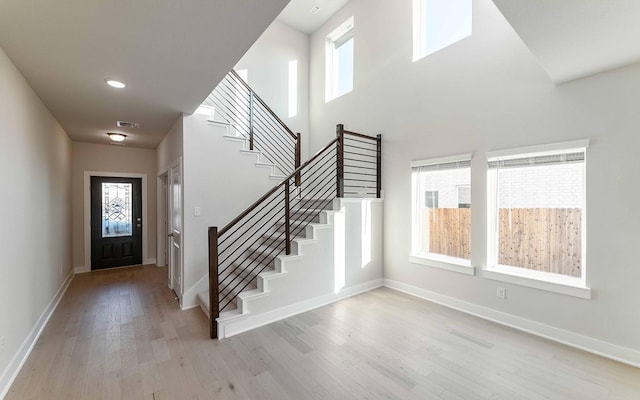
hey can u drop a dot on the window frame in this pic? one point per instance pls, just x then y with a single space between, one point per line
435 260
552 282
333 42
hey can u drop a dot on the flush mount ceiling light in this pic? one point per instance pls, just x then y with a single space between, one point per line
115 84
117 137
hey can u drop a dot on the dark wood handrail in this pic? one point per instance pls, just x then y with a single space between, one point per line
234 250
360 135
272 191
256 97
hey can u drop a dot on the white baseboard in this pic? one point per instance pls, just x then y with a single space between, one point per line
84 270
250 321
17 362
609 350
189 298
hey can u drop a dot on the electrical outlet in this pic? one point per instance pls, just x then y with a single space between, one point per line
501 293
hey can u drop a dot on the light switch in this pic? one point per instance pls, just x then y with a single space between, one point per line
197 212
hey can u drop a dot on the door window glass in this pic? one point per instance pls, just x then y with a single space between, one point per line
116 209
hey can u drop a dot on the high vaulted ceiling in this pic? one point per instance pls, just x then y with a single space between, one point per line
577 38
298 13
170 53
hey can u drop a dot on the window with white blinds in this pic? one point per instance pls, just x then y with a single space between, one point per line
536 211
441 211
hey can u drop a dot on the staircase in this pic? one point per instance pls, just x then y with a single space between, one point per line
248 257
266 257
261 161
251 121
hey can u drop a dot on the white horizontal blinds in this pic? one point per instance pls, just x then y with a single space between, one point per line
442 163
538 160
442 166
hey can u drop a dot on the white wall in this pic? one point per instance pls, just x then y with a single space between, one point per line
112 159
267 65
487 92
170 148
35 210
221 181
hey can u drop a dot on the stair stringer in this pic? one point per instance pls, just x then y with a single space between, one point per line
302 281
260 159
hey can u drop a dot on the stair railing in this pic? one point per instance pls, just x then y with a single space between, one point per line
235 101
349 166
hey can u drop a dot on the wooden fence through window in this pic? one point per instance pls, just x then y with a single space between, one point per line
449 231
542 239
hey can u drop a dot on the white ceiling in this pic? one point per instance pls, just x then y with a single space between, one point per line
297 14
170 53
577 38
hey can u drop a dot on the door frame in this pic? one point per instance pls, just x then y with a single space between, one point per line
162 259
180 290
87 215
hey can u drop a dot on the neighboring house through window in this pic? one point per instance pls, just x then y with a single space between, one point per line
536 214
441 233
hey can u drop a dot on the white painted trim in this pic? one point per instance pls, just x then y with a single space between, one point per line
189 307
81 270
443 264
539 280
596 346
87 211
149 261
189 298
441 160
180 292
161 208
17 362
248 321
360 199
539 149
84 270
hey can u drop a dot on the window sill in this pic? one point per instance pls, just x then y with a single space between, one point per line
443 262
538 280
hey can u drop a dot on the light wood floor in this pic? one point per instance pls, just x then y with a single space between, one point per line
119 334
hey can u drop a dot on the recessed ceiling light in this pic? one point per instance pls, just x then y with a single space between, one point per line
117 137
115 84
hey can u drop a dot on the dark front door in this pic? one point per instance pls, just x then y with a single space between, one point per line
116 222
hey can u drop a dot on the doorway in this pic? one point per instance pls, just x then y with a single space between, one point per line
175 227
116 222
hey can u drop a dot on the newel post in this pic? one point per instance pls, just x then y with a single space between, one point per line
214 311
378 165
287 218
340 161
251 120
298 158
